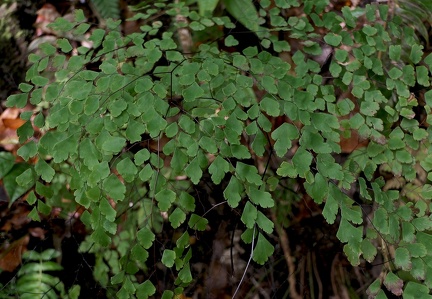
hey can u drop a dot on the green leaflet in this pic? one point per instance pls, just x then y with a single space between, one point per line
185 274
287 169
416 290
402 258
249 215
167 294
380 220
186 201
352 253
248 173
302 160
284 136
145 289
264 223
193 170
333 39
145 237
331 207
263 250
165 198
179 160
259 143
318 190
393 283
44 170
240 151
328 167
348 233
114 188
261 198
107 210
314 141
218 169
17 100
233 192
127 169
368 250
168 257
177 217
25 131
28 150
192 92
101 237
18 181
89 153
113 144
197 222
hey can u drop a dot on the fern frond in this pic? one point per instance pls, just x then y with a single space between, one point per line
33 281
107 8
416 13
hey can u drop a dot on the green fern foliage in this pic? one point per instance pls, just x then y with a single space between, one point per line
35 279
416 14
107 8
210 119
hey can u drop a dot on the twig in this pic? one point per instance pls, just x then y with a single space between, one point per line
259 288
318 278
302 270
332 277
288 258
311 281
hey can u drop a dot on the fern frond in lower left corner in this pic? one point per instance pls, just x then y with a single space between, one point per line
34 279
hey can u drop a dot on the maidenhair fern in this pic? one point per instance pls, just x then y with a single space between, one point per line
205 123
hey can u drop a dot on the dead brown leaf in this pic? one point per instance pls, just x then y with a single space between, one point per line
10 257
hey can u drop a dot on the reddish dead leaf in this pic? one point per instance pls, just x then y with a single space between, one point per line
13 123
10 257
9 123
354 141
10 113
348 145
10 118
46 15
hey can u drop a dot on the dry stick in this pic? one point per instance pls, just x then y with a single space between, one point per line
332 278
318 278
302 270
310 278
288 258
259 288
